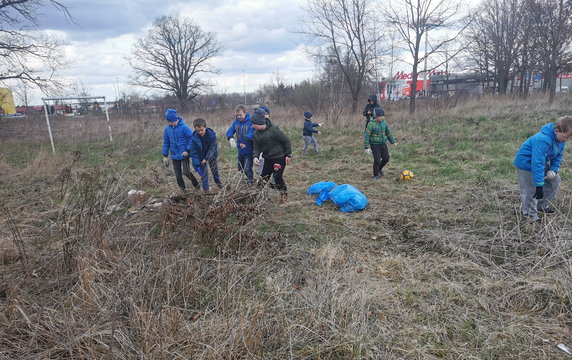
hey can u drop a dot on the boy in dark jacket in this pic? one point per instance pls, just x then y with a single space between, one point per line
242 127
204 152
375 137
176 142
368 111
309 132
276 149
537 162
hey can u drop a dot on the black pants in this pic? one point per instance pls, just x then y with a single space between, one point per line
177 164
276 167
380 157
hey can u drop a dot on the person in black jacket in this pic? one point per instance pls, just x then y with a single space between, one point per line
275 146
368 111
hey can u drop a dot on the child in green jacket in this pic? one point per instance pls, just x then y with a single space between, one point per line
375 137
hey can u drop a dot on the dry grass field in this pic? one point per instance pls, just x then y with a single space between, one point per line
439 267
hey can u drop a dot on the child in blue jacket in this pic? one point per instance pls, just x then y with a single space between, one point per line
242 128
309 132
176 142
537 162
204 152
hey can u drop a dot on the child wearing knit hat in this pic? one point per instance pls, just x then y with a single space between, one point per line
309 131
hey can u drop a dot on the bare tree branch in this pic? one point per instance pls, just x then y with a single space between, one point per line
413 19
26 55
173 56
341 30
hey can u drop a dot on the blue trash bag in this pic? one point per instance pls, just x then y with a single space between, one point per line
319 186
323 196
348 198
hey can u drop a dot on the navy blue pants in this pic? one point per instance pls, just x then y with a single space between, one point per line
245 165
213 165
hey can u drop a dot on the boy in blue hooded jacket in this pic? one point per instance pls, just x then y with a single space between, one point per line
204 152
176 142
537 162
244 131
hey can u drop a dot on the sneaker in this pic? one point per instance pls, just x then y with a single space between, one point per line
219 184
381 173
547 210
377 178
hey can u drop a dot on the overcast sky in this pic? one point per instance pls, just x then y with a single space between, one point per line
256 35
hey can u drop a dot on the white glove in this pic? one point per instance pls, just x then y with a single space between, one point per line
550 175
232 143
165 161
320 124
185 154
256 161
368 151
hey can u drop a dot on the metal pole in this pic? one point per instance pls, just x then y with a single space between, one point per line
243 88
424 66
49 127
107 116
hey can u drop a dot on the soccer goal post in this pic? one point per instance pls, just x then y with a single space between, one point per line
50 102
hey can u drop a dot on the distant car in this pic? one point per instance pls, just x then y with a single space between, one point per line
562 89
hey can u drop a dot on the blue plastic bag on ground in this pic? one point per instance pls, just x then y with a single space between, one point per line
348 198
319 186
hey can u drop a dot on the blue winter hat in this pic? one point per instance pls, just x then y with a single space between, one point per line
378 112
171 115
258 117
265 108
308 115
372 97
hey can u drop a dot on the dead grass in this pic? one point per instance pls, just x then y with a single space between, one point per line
440 267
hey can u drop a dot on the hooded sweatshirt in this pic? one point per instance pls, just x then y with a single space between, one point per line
370 107
539 151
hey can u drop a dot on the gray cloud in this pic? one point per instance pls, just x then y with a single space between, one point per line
256 36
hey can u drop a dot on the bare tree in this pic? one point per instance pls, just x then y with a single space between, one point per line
172 56
344 30
413 20
554 21
25 55
23 91
497 35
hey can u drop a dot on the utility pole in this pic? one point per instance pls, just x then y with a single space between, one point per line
243 88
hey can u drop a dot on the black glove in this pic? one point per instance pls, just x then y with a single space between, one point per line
539 194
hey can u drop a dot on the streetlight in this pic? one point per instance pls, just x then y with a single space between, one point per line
243 88
428 26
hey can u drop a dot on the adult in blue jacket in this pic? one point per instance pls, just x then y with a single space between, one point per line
176 143
537 162
244 132
204 152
